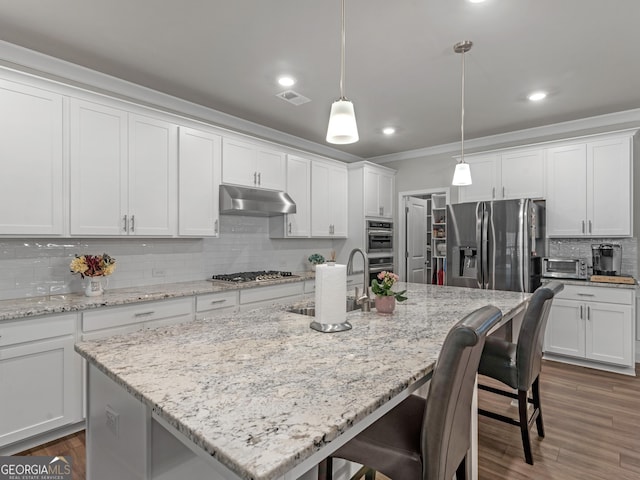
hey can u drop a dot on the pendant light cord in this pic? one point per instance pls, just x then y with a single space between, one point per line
342 97
462 110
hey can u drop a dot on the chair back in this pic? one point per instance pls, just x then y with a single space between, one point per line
446 428
531 336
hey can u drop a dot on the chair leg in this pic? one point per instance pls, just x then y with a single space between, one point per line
370 475
524 425
461 472
535 391
325 469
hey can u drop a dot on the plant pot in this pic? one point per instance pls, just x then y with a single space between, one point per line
385 305
94 287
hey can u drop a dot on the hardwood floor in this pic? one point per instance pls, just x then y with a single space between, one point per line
592 426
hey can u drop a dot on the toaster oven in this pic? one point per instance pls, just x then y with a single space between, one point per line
570 268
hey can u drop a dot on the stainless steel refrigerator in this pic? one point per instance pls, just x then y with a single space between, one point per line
495 245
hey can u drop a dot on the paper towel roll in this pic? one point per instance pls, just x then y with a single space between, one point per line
331 293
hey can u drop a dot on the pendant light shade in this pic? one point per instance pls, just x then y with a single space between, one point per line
342 127
462 174
342 123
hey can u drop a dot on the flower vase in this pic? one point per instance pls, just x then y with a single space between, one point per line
94 287
385 305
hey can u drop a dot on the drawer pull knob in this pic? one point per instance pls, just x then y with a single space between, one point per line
144 314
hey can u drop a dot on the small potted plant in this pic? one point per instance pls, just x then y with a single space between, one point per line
315 259
385 297
94 267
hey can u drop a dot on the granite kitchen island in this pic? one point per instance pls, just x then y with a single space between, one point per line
260 395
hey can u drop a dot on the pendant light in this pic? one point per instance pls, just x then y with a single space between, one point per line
342 127
462 174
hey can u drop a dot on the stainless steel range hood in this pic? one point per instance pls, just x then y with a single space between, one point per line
253 201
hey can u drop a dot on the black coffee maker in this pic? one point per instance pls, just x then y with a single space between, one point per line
607 259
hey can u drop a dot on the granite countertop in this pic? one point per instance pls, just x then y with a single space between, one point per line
261 392
583 283
74 302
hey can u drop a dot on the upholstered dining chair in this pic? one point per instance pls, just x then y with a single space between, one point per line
428 439
518 365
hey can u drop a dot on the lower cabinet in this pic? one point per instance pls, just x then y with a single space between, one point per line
40 374
251 298
211 304
594 325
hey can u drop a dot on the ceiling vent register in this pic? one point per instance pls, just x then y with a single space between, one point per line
293 97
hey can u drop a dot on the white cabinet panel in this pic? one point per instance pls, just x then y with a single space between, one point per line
152 176
567 190
608 333
299 189
98 169
199 183
251 165
565 333
40 374
522 174
31 133
328 200
378 193
485 178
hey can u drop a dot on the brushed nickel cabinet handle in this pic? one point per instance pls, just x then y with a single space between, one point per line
125 224
255 178
259 178
289 227
590 227
215 226
215 302
144 314
581 312
133 223
583 231
503 194
588 312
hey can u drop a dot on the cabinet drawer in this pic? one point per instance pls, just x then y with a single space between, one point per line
597 294
131 314
274 292
28 330
216 301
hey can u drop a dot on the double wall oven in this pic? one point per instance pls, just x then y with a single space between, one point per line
379 247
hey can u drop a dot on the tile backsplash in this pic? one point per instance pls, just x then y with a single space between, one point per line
37 267
581 248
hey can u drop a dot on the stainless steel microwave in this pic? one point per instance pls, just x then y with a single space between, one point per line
571 268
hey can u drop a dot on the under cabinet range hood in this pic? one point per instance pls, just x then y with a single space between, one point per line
253 201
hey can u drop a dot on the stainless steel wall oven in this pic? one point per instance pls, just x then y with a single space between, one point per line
379 237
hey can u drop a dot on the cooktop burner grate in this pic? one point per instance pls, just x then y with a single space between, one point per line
252 276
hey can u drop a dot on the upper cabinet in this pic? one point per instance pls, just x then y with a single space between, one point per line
123 172
299 189
252 165
590 188
505 175
199 164
379 187
31 148
328 199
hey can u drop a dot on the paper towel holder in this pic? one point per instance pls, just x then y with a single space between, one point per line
330 327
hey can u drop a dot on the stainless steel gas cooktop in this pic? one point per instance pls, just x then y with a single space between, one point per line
252 276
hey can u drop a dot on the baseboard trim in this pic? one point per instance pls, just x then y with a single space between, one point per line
41 439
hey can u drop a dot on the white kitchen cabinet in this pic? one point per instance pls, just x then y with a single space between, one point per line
123 172
212 304
199 172
31 148
105 322
251 298
379 188
252 165
505 175
295 225
329 200
594 324
589 188
40 374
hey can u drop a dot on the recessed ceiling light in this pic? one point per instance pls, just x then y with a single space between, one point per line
286 81
388 130
537 96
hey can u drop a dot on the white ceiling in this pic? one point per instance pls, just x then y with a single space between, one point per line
401 69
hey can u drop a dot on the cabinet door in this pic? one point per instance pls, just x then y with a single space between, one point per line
609 180
199 183
378 194
565 333
31 185
239 163
299 188
40 374
338 181
609 333
271 168
485 176
153 176
566 191
321 214
386 192
522 174
98 152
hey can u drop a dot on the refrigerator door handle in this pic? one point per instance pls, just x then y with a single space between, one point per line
485 247
480 253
